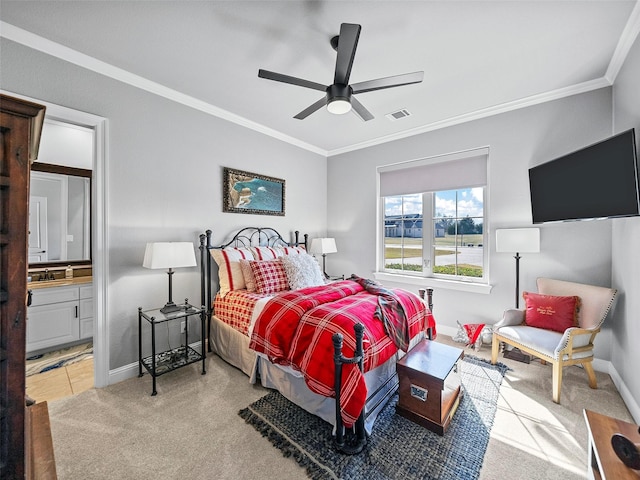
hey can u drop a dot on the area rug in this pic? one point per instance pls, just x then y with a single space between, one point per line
397 447
59 358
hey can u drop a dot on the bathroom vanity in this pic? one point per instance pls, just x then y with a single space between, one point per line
60 313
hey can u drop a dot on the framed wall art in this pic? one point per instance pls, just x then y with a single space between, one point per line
246 192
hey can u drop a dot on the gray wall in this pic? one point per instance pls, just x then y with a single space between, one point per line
164 179
576 251
626 240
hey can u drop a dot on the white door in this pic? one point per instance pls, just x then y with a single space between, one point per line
38 229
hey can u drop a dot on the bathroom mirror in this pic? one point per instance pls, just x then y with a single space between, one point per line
59 215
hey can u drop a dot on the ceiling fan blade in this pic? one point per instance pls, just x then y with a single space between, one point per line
359 110
387 82
311 108
279 77
347 43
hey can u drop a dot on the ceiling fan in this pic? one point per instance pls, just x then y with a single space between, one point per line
339 96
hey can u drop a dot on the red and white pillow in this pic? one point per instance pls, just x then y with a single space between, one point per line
270 276
229 271
265 253
271 253
299 250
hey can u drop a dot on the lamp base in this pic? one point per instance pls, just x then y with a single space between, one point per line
170 307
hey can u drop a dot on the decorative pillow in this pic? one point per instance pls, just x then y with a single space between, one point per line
270 276
229 272
283 251
302 271
551 312
265 253
247 273
271 253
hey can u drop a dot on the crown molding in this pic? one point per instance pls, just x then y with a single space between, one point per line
628 37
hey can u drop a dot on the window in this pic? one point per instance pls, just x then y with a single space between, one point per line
434 232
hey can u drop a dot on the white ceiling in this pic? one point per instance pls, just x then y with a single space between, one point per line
479 57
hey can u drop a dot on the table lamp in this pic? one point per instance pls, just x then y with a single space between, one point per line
323 246
169 255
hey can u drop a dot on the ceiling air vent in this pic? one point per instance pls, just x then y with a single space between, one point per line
402 113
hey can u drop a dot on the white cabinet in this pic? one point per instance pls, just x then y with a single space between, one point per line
59 315
86 311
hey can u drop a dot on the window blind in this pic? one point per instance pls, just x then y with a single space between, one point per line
447 172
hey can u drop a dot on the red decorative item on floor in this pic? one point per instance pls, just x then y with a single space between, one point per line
473 331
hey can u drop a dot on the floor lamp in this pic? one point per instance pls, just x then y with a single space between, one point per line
518 240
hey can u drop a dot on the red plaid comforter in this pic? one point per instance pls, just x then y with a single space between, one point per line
296 328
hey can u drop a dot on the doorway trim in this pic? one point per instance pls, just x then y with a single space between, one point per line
100 257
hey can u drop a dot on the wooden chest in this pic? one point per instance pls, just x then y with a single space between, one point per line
429 391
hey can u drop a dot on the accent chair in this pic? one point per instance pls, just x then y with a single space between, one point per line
574 346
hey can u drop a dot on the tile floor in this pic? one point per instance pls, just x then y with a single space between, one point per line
61 382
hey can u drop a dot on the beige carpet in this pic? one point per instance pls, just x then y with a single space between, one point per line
191 429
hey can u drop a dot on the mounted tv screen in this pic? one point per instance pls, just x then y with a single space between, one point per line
598 181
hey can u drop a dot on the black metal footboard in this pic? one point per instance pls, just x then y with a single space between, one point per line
348 442
353 441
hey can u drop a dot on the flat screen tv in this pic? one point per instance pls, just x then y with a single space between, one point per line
598 181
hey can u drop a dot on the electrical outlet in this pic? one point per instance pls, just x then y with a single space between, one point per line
183 326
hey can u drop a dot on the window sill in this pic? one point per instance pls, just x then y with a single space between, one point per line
425 282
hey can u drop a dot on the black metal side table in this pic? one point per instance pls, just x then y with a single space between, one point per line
168 360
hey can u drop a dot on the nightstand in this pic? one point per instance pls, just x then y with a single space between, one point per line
335 278
168 360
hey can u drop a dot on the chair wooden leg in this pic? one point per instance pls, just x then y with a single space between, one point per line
591 374
557 381
495 349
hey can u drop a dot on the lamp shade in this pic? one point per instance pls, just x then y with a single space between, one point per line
323 245
169 255
519 240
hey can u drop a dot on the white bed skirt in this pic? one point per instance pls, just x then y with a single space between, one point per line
233 347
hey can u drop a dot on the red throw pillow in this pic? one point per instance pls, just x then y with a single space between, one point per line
551 312
270 276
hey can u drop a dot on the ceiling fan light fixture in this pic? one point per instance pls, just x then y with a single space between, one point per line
338 99
339 106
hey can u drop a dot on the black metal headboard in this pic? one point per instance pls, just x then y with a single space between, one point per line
244 238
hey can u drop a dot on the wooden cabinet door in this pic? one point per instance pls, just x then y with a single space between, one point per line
20 127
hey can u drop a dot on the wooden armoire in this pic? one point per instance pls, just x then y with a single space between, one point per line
20 129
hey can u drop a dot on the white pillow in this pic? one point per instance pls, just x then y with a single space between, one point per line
302 271
229 272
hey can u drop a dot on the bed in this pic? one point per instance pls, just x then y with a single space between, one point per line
250 325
